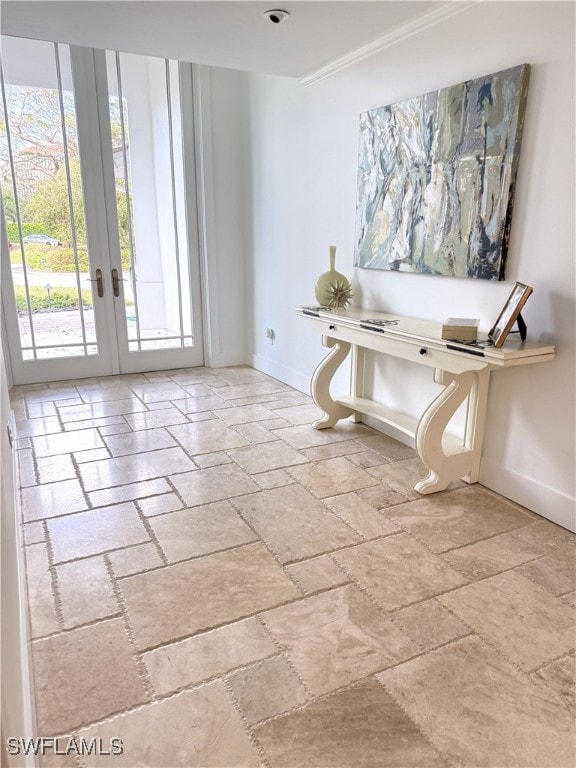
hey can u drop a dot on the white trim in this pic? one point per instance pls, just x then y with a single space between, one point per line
21 718
202 91
410 28
289 376
545 501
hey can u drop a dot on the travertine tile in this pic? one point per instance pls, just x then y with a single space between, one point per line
81 457
159 505
361 727
210 654
195 729
206 460
40 410
337 637
199 531
387 447
129 492
200 404
305 436
84 675
317 574
477 709
52 499
41 604
48 425
382 496
367 459
152 393
300 414
275 478
85 591
213 484
430 624
227 586
155 419
267 689
401 476
43 392
26 474
206 436
243 414
104 421
136 559
101 410
55 468
486 558
115 429
95 531
195 390
332 450
67 442
139 442
100 394
560 676
360 515
331 477
556 576
256 433
127 469
263 458
452 519
529 625
398 570
293 523
33 533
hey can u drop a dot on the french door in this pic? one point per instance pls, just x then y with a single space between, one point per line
100 266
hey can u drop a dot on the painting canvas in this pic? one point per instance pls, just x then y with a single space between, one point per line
436 178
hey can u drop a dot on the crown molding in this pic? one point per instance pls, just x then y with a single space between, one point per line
404 31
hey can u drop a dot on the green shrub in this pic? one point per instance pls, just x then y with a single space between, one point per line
28 228
49 258
60 298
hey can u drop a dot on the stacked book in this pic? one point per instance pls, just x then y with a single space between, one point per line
460 329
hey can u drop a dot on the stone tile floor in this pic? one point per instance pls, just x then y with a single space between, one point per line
215 583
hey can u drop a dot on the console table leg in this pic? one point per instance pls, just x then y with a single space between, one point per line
320 386
446 467
357 377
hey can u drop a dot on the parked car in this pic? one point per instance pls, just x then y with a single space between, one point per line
41 240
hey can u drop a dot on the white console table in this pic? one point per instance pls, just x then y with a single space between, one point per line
462 370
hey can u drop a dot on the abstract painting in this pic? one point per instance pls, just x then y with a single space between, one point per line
436 178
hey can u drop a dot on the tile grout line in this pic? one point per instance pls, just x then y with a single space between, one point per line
152 534
56 596
253 740
136 654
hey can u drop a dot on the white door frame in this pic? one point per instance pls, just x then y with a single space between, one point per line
95 149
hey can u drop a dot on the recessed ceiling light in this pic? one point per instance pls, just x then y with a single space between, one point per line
276 16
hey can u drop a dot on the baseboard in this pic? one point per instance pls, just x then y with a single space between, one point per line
289 376
545 501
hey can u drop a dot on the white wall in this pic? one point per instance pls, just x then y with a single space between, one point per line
303 179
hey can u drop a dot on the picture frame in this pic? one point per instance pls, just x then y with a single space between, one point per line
510 314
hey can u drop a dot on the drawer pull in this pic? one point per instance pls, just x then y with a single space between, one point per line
331 327
423 351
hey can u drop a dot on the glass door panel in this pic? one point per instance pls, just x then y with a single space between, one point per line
43 202
160 287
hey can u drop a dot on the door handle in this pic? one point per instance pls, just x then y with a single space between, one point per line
116 282
99 283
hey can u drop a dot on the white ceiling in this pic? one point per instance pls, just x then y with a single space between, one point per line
219 33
